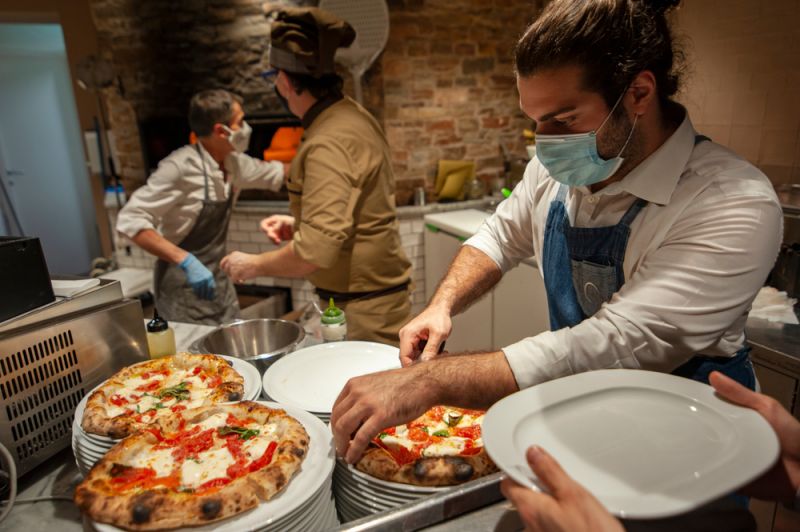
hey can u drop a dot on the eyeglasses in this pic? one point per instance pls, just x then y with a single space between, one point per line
269 75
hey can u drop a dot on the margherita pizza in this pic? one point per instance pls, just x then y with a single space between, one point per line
195 467
441 448
139 394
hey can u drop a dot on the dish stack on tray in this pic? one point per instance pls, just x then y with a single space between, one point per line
358 494
306 504
311 378
90 448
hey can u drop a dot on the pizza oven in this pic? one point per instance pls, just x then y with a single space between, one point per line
54 355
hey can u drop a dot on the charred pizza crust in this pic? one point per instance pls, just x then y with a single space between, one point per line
425 459
170 504
113 409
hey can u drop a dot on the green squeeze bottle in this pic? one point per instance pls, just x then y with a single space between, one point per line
334 323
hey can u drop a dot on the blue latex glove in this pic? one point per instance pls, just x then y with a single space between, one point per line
198 276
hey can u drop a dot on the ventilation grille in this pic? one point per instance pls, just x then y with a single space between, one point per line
40 386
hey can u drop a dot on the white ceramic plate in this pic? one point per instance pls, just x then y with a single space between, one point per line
251 375
311 378
315 471
647 444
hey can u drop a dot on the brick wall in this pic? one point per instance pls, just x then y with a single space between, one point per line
443 88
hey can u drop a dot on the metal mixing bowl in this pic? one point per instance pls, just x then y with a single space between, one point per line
260 342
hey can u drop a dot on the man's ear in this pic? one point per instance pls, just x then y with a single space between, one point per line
642 93
219 131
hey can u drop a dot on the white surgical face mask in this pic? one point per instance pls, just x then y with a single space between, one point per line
239 139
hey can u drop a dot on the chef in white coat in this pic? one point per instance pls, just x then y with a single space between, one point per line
181 215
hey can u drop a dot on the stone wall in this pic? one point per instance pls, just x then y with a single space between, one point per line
443 88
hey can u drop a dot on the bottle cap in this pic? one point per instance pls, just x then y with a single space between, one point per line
333 315
157 324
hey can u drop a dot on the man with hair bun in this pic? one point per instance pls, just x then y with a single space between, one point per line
652 239
181 214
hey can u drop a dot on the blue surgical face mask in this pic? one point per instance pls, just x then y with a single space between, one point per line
573 159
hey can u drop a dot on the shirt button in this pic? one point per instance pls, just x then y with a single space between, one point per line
592 199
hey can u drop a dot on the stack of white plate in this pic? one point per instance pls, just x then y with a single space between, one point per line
311 378
307 502
90 448
358 494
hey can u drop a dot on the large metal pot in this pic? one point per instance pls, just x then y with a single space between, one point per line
260 342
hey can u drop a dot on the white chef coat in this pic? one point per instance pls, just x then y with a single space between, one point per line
173 196
697 255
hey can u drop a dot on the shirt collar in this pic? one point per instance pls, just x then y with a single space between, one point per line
655 178
319 106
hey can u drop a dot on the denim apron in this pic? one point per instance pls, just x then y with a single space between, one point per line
175 299
583 268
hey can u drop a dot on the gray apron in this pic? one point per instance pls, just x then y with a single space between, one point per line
175 299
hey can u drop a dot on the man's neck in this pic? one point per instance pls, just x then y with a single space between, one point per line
216 153
303 103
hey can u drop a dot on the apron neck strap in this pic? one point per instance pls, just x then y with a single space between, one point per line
205 175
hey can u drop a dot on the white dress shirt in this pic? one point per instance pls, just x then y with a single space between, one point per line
173 196
697 255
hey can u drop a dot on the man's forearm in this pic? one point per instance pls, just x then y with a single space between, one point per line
471 381
157 245
284 262
471 274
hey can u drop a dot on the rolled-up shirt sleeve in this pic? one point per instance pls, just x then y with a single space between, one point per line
147 206
682 298
250 172
330 195
506 237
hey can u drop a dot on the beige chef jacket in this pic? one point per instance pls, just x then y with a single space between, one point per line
173 196
341 193
697 255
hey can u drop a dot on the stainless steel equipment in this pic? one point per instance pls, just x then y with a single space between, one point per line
786 273
260 342
52 356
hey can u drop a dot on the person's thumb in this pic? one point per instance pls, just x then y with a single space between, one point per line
734 392
551 476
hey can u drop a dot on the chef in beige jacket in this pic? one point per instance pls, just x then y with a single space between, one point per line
181 215
343 229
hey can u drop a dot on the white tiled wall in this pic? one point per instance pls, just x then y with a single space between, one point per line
742 87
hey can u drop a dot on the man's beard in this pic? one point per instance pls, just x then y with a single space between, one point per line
613 139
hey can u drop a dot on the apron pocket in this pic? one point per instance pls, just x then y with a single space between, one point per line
594 284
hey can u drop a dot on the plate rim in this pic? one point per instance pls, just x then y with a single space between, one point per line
272 372
503 418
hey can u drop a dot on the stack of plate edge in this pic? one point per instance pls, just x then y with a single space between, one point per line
358 494
88 448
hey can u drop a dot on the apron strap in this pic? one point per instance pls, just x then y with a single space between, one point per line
562 193
205 175
633 210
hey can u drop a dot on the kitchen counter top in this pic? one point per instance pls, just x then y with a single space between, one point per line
780 342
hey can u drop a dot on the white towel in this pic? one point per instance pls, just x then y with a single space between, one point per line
63 288
772 305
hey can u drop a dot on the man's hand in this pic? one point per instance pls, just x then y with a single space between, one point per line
566 506
783 480
240 266
198 277
278 228
432 326
371 403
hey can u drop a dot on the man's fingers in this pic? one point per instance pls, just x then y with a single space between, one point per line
369 429
550 474
408 349
345 419
432 347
